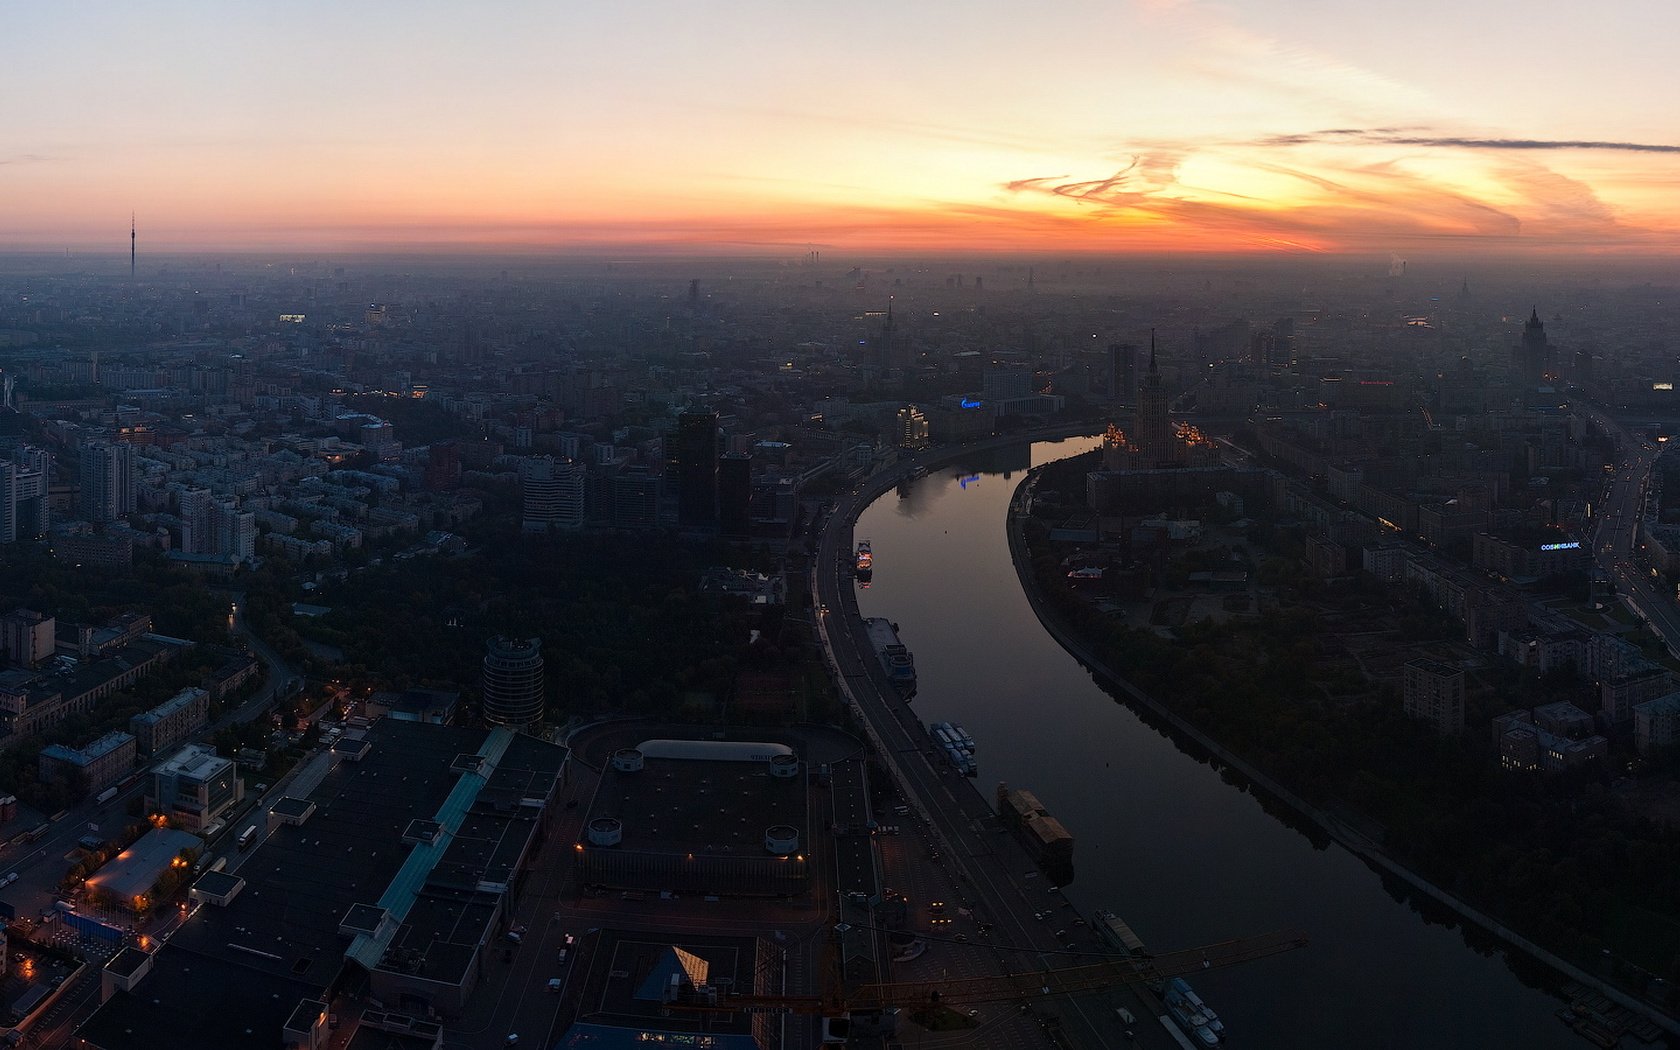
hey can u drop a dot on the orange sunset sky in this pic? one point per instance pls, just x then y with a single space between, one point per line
1131 125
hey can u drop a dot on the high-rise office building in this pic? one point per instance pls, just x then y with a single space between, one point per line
735 495
193 508
232 531
1121 380
635 499
108 481
551 493
23 495
696 462
513 682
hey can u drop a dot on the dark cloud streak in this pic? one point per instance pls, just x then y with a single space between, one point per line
1407 137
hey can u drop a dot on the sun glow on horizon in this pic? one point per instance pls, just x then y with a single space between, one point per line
1142 126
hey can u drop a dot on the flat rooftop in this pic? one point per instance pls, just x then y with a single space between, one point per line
451 911
278 941
623 961
699 806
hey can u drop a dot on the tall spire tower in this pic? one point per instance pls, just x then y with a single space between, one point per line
131 246
1153 431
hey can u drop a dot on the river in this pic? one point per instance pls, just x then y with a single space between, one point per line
1161 838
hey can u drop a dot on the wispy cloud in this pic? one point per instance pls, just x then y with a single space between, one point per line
23 158
1348 203
1410 137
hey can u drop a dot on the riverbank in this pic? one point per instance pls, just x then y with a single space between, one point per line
1369 851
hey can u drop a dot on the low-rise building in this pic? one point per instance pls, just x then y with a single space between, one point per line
231 675
1524 746
194 787
102 762
1619 696
436 706
134 878
1656 723
171 721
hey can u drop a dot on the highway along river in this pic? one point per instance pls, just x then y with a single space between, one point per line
1160 837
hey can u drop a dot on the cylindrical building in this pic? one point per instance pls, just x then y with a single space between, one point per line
513 682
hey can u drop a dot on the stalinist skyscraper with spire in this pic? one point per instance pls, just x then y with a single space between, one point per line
1535 352
1155 442
1153 430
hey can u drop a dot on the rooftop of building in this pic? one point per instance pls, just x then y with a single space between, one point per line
450 908
278 941
185 698
615 991
217 883
167 1009
136 869
92 751
126 961
416 701
1439 668
68 678
291 807
1663 705
192 760
711 807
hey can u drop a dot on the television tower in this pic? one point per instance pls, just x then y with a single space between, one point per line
131 246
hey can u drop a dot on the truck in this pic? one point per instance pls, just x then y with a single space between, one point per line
246 836
105 796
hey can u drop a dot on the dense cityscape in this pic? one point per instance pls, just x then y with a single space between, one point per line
1114 525
449 651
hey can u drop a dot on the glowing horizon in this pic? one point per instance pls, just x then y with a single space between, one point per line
1142 126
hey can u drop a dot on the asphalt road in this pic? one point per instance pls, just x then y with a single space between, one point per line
1616 547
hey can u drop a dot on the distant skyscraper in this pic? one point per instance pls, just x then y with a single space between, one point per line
193 507
1534 354
1283 343
1154 432
443 465
513 682
551 493
734 487
23 495
1122 378
108 480
131 236
232 531
697 468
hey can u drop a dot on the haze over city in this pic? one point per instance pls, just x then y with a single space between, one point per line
1142 125
1134 525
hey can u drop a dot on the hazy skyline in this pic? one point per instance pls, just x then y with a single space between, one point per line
1146 126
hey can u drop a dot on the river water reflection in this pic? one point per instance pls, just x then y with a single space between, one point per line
1161 838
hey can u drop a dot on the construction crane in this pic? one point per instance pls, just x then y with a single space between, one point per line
1020 986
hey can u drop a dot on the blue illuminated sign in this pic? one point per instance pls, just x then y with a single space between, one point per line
1570 546
966 403
964 481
